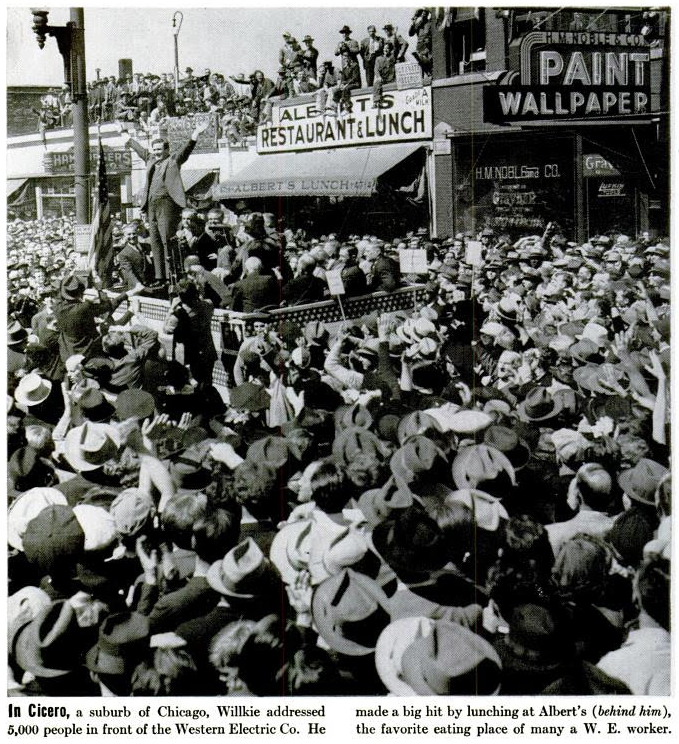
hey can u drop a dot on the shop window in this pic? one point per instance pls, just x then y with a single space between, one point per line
467 41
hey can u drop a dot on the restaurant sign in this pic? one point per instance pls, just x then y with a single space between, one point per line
573 75
404 115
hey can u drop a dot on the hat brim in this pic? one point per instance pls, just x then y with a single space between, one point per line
278 553
27 654
391 646
213 578
525 416
97 660
71 448
21 399
321 598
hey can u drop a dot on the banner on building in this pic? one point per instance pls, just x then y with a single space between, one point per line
117 161
180 128
572 75
408 75
404 115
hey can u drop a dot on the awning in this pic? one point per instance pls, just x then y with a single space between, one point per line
350 171
14 184
193 176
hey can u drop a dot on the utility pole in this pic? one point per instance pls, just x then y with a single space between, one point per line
179 14
71 43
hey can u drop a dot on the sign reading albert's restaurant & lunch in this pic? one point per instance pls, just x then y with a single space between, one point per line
404 115
573 75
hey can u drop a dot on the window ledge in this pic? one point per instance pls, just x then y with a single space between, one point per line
468 78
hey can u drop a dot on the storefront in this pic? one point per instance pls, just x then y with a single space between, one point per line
565 127
363 172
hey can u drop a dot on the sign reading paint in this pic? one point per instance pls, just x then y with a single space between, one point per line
567 74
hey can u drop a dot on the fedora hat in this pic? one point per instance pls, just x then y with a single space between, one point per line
134 403
94 407
411 543
378 503
187 468
451 660
343 550
345 29
415 457
480 463
273 451
131 510
539 405
48 645
244 571
123 640
16 333
350 610
590 376
290 549
22 607
486 509
32 390
641 481
71 287
391 646
355 441
26 469
89 446
26 508
516 450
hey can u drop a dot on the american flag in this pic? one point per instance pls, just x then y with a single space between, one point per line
100 255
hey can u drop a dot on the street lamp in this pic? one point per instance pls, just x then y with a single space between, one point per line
176 46
71 42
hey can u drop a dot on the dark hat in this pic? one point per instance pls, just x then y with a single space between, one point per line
507 441
539 405
249 397
123 640
134 403
94 406
641 481
451 660
26 470
48 645
630 532
345 29
411 543
71 287
188 469
98 368
272 451
307 38
53 534
350 610
16 333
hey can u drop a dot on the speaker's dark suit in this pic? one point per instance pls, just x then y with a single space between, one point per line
163 204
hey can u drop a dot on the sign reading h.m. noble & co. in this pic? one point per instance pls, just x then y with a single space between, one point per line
578 75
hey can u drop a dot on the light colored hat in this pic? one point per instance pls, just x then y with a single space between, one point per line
97 524
25 508
466 421
391 646
487 510
491 328
22 607
243 572
32 390
290 549
89 446
330 557
73 362
595 332
480 463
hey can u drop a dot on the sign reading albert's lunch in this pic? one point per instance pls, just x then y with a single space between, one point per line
404 115
578 75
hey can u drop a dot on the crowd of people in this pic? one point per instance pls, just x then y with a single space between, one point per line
240 102
469 497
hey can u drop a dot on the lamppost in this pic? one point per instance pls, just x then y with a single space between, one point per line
71 43
176 46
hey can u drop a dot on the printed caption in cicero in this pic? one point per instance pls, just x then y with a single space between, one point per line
349 719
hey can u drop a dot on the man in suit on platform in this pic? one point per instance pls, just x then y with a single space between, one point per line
255 291
371 48
131 258
163 196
